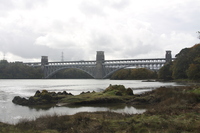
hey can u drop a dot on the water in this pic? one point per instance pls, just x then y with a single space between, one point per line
11 113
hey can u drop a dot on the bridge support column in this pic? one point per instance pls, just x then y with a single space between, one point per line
99 65
44 61
168 57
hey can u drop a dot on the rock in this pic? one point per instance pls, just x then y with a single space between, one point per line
65 93
46 97
20 101
59 93
41 98
129 91
70 94
118 93
37 93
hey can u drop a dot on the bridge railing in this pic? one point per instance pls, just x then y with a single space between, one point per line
72 63
32 64
105 62
138 60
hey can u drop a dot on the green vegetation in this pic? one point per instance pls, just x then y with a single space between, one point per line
71 73
18 71
113 94
170 110
137 73
185 66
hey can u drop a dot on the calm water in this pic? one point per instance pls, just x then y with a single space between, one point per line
12 113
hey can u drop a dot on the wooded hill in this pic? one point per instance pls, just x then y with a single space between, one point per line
18 71
185 66
136 73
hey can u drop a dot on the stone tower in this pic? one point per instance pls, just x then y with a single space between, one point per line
168 56
99 67
44 60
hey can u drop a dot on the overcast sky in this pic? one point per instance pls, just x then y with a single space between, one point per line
122 29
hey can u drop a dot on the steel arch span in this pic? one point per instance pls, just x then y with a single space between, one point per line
51 70
108 67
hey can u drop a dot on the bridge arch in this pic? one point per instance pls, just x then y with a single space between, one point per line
49 72
110 70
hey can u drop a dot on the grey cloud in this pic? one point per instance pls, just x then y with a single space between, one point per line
141 49
91 9
182 17
22 44
121 4
6 5
79 39
29 4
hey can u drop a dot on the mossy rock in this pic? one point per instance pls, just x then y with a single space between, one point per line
129 91
44 91
118 90
118 93
46 96
37 93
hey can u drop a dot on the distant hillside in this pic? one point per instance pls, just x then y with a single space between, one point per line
137 73
71 73
18 71
185 66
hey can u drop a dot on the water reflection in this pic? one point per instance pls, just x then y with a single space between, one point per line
12 113
34 112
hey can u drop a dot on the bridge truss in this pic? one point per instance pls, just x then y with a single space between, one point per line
108 66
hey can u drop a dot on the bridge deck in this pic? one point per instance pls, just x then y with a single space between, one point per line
108 62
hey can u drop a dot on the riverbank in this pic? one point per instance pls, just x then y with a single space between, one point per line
170 109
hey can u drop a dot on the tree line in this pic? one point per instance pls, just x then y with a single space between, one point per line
136 73
18 70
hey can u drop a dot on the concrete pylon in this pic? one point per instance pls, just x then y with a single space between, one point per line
168 56
99 65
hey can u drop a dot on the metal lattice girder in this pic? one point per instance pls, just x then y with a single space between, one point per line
108 66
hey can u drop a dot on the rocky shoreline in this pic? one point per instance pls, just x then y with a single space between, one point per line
170 109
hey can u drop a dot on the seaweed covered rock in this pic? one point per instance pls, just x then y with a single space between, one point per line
118 90
19 100
129 91
41 98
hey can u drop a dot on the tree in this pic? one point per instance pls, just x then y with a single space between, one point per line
181 64
198 32
165 72
186 64
136 73
18 71
121 74
193 71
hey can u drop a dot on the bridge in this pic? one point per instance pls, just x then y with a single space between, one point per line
100 68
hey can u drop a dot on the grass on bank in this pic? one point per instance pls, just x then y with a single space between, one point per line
106 122
112 94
